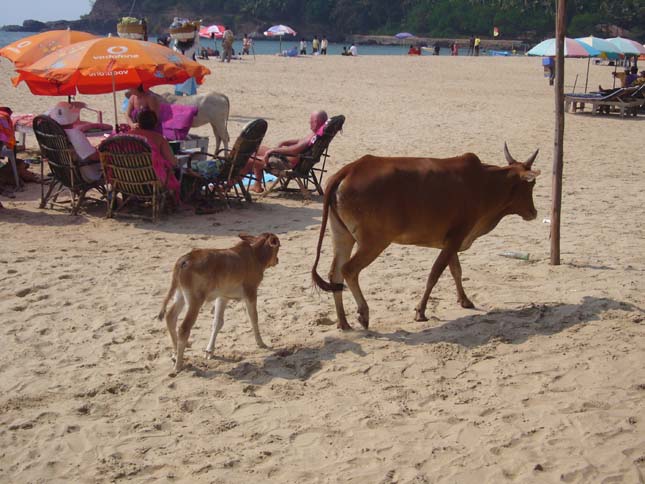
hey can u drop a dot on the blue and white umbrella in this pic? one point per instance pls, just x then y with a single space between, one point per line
403 35
572 48
627 46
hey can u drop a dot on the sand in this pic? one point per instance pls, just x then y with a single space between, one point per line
543 382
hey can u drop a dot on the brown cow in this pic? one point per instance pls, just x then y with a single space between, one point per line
217 275
440 203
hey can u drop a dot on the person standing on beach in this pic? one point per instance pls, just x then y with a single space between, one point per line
323 46
227 44
315 45
455 49
477 42
246 45
303 46
471 45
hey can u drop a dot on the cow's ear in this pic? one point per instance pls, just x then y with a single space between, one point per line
530 176
247 237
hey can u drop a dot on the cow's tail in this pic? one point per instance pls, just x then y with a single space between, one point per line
328 204
181 263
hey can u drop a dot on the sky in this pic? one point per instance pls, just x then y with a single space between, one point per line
43 10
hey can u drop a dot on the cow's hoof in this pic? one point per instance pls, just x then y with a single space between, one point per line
365 322
172 374
466 303
343 326
208 355
420 316
262 346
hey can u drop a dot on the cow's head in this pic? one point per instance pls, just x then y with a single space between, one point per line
523 183
266 245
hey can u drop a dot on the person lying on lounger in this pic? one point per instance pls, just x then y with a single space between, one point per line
291 149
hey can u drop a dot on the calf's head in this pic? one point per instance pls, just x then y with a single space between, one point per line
266 246
523 179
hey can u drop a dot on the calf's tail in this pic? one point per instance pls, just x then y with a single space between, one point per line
328 202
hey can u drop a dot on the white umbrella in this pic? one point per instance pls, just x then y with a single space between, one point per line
279 31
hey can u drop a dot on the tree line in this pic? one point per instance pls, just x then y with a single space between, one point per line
532 19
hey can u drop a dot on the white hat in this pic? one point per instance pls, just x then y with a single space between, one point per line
64 113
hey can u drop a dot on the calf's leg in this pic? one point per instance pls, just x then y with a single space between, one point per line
455 270
194 305
364 256
343 243
251 298
218 322
437 269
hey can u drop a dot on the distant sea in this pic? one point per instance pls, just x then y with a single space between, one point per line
270 47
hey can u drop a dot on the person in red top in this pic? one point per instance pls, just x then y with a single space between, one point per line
414 50
7 132
290 148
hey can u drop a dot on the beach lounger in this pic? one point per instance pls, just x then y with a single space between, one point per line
127 167
306 172
64 165
232 163
620 101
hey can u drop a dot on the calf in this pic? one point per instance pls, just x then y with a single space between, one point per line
217 275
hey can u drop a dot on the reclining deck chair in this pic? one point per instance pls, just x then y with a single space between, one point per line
64 165
306 171
233 162
127 167
620 100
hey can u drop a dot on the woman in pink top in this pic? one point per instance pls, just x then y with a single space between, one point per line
290 148
163 160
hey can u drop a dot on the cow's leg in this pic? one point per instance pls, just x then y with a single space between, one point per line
251 299
221 135
171 318
218 322
364 256
343 243
455 270
437 269
194 305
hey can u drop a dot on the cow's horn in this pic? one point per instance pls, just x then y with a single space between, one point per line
508 156
531 159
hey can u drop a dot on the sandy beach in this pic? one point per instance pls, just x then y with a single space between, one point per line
543 382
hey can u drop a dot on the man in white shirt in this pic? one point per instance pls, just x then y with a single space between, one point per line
353 50
66 115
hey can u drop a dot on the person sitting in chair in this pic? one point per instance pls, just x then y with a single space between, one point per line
142 99
163 159
66 115
290 149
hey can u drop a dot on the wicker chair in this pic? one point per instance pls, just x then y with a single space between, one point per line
234 161
127 167
64 165
307 172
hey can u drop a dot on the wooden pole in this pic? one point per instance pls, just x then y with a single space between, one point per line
556 186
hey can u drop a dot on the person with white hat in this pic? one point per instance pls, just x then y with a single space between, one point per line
66 114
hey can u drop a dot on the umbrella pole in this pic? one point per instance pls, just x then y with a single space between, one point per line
614 76
116 119
280 37
587 78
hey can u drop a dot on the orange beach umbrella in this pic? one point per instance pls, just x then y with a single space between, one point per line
28 50
107 64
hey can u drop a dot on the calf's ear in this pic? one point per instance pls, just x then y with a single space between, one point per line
273 240
247 237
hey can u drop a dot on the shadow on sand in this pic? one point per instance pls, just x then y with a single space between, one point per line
513 326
